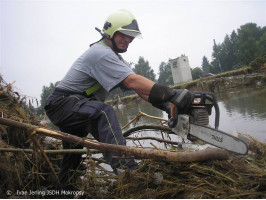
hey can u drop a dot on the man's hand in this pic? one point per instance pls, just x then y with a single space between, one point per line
181 98
161 94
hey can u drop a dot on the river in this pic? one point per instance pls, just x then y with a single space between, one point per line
241 109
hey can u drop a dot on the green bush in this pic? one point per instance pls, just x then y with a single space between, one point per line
258 63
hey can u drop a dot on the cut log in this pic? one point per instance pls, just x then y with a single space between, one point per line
203 155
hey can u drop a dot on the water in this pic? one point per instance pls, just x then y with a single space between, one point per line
242 110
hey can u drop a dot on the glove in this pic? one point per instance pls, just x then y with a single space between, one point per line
182 99
160 94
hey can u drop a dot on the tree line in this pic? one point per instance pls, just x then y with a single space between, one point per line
239 49
246 46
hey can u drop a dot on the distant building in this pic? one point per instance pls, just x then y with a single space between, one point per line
180 69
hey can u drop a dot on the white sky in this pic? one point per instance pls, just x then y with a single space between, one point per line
40 40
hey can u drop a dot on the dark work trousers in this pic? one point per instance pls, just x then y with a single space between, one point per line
78 115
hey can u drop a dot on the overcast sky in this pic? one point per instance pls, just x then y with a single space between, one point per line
40 40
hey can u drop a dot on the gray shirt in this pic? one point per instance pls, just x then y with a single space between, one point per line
98 64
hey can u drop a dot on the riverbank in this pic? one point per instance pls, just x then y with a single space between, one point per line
216 83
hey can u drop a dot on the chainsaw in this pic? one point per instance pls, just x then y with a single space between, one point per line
193 123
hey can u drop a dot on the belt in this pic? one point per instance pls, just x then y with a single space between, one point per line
67 93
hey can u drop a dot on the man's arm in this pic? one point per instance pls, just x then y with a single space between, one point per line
157 94
141 85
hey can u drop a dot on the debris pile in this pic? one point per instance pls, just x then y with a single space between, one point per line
20 169
26 173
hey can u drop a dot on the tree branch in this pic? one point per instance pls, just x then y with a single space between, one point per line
154 138
207 154
147 127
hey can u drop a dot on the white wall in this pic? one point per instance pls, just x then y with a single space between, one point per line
180 69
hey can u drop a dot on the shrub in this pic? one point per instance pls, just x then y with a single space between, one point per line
258 63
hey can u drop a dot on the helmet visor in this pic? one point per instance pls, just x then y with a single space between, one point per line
131 33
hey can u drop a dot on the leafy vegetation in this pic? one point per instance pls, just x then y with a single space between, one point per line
237 50
258 63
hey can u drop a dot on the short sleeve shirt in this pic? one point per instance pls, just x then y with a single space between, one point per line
98 64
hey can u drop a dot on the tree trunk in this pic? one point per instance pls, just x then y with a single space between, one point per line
207 154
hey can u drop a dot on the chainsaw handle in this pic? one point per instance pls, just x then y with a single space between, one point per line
203 96
172 122
172 114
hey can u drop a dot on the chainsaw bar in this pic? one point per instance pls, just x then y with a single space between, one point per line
219 138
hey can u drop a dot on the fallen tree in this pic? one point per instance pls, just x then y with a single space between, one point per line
203 155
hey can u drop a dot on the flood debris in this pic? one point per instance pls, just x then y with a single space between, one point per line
27 170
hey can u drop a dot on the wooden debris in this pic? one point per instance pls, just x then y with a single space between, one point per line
203 155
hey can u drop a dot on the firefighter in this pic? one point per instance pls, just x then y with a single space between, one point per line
77 105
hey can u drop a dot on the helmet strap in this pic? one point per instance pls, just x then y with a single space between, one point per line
96 42
116 49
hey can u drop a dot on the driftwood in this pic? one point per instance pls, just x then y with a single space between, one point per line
141 114
207 154
146 127
63 151
59 151
253 144
154 138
